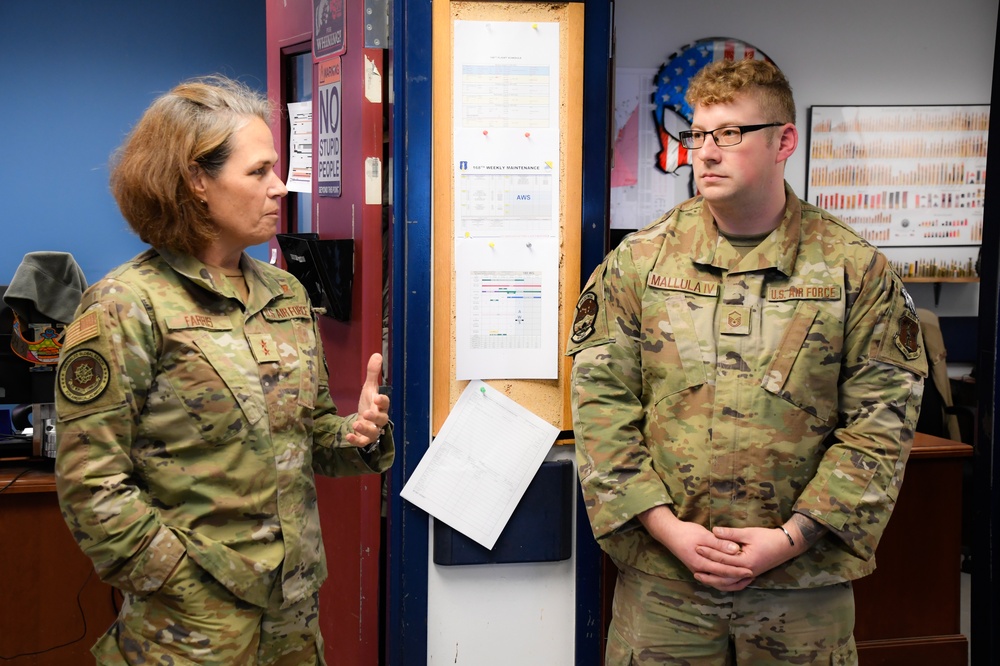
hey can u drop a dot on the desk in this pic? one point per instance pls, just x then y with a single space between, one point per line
909 610
53 606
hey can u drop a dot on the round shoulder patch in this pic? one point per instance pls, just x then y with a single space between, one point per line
83 376
586 314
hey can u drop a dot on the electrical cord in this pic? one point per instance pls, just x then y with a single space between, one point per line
79 593
14 480
83 634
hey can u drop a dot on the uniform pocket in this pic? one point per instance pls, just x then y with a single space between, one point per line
618 652
805 369
672 359
214 391
309 357
845 655
181 582
121 647
847 484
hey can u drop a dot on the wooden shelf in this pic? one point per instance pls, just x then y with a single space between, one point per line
940 279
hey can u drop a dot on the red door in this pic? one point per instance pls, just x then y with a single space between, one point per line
350 509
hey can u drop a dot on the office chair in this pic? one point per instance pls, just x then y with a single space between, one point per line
939 416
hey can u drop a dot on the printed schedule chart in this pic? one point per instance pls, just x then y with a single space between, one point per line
507 310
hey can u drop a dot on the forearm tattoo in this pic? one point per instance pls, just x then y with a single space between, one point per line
810 529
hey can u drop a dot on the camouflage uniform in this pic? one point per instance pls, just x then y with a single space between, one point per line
740 390
188 434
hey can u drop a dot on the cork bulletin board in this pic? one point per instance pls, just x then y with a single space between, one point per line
547 398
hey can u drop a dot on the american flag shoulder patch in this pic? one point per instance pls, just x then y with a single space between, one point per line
86 327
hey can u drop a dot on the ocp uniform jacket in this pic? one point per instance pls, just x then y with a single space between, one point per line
190 424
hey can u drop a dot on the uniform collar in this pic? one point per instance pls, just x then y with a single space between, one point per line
779 250
265 288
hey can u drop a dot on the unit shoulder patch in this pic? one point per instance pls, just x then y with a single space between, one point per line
907 336
83 376
901 341
586 315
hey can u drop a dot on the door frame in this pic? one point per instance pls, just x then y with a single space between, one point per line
408 528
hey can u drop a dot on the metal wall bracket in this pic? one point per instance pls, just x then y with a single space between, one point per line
377 24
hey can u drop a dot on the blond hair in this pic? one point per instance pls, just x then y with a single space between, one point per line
721 81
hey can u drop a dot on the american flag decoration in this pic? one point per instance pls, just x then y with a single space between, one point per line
672 154
672 83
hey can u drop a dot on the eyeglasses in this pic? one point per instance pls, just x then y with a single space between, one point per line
723 136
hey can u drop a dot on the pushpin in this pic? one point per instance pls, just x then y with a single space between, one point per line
528 245
491 244
486 132
534 26
467 235
482 389
527 135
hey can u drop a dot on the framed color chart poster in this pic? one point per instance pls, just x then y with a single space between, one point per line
907 177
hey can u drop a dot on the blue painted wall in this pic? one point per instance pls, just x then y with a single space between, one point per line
74 78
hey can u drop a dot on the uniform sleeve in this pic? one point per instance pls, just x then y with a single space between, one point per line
333 455
103 377
616 472
883 366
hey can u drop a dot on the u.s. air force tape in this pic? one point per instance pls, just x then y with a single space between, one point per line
83 376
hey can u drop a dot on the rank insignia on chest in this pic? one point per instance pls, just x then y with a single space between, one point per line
735 320
265 350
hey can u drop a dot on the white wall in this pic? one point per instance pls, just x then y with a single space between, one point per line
503 614
863 52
